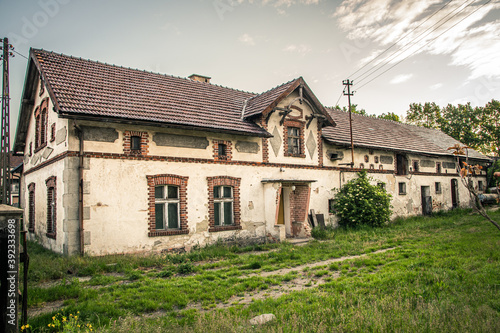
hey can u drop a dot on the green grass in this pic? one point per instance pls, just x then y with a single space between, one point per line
441 276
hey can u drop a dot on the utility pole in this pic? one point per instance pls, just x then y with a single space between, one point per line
349 83
5 143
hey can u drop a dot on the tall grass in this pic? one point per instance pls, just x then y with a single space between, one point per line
441 276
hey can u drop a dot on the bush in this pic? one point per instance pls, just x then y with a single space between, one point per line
360 203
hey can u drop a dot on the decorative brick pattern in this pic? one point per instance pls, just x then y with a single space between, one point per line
31 207
228 150
224 181
167 179
51 207
320 147
265 141
127 143
299 203
300 125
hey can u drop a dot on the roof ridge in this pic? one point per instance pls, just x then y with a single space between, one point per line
276 87
142 70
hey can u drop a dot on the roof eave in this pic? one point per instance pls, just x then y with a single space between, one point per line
75 116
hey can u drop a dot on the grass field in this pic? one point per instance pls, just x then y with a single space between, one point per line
423 274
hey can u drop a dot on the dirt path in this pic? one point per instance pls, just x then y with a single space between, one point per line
303 280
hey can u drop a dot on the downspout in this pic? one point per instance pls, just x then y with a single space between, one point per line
80 187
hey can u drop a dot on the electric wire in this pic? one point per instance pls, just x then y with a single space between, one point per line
396 42
432 40
22 55
412 43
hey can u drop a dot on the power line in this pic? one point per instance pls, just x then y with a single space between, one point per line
426 43
22 55
396 42
412 43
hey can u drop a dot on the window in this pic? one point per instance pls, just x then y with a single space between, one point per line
53 132
480 185
402 188
401 165
135 142
51 207
167 205
331 206
222 150
381 185
416 166
31 207
437 186
41 115
293 140
438 167
224 203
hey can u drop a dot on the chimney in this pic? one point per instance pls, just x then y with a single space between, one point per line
200 78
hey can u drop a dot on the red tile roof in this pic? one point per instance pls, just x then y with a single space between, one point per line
371 132
88 88
257 104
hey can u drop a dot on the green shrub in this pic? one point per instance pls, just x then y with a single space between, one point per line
185 268
360 203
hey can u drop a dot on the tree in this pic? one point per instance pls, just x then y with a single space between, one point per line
390 116
466 172
462 123
354 109
490 129
427 115
358 202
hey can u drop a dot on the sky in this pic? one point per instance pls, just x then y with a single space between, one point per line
395 52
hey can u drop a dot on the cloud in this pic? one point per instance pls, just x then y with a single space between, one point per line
301 49
401 78
247 39
464 32
436 86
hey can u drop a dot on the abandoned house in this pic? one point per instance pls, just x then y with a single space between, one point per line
121 160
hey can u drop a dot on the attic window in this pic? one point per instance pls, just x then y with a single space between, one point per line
416 166
135 142
438 167
222 150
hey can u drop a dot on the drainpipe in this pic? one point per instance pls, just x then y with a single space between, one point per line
80 187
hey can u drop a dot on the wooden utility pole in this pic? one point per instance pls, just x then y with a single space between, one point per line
5 144
349 83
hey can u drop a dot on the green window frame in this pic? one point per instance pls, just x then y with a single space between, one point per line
223 205
167 206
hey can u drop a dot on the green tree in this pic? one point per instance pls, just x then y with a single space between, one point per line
427 115
358 202
354 109
490 128
463 123
390 116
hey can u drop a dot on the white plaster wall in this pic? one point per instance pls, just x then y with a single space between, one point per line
39 177
359 155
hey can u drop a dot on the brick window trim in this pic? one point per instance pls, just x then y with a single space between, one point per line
301 126
167 179
229 150
51 184
127 142
31 208
224 181
41 124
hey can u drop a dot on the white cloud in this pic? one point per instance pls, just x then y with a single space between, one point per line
401 78
470 41
247 39
436 86
301 48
